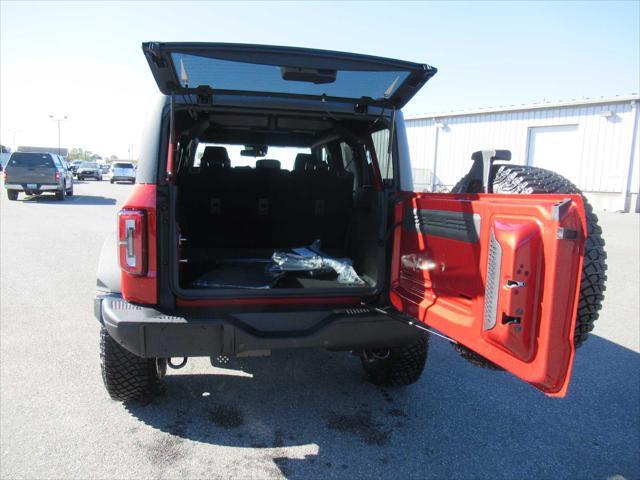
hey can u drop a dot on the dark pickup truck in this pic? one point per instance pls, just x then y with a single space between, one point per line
35 173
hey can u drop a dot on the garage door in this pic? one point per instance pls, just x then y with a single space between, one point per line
554 148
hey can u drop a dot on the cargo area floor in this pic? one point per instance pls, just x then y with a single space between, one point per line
249 269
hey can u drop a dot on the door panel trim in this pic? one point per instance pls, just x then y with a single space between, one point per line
445 282
461 226
494 263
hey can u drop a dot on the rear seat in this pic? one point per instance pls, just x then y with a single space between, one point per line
322 205
261 191
266 206
207 197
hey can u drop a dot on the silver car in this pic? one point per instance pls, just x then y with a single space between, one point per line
89 170
123 172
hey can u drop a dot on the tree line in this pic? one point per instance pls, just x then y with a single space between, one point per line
80 154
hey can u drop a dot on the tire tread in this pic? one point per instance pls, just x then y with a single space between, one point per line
125 375
403 366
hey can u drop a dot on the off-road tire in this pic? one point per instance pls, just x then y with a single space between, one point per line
12 194
61 194
516 179
400 365
125 375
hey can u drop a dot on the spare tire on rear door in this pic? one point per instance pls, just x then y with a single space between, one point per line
517 179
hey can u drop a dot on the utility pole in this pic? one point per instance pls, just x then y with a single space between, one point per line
59 120
13 132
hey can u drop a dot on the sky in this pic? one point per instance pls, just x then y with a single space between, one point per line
84 61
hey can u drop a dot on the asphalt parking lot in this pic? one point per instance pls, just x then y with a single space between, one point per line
296 414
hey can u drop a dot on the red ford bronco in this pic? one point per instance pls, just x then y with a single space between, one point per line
274 208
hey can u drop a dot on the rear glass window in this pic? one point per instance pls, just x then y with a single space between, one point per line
194 71
285 155
32 160
122 165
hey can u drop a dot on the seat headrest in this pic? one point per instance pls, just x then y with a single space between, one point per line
303 162
320 166
268 164
214 157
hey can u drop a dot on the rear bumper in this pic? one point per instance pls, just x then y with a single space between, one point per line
122 178
149 333
23 187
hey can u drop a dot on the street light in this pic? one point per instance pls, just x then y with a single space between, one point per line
59 120
13 132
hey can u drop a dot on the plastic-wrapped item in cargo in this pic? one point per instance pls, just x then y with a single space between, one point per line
315 262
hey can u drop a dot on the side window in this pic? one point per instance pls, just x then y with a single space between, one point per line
325 157
348 163
56 161
198 158
381 144
347 157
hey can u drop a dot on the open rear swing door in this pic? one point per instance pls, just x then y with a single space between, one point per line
500 274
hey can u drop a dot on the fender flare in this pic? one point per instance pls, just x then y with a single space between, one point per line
108 279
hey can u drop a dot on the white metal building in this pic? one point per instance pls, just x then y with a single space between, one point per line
592 142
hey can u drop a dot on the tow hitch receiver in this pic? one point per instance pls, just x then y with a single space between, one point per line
177 366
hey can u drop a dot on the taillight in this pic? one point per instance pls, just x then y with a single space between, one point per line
57 176
132 241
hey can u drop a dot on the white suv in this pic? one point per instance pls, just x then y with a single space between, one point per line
123 172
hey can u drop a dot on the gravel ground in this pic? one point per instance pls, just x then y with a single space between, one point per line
296 414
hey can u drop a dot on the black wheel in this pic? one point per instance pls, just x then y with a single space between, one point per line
396 366
12 194
60 194
125 375
111 181
516 179
70 191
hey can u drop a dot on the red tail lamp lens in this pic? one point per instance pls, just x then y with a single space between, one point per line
132 241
